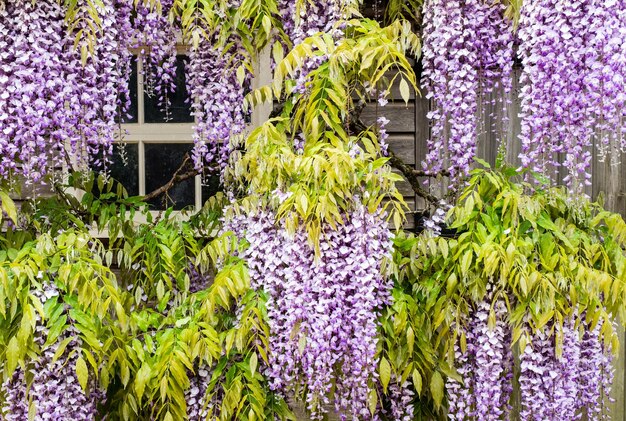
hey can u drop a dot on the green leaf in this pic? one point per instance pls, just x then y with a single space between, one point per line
443 245
483 163
277 51
410 338
82 373
8 206
267 24
12 355
436 388
384 370
142 378
253 363
405 90
61 348
417 381
373 401
241 75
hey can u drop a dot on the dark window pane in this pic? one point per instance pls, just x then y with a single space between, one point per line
124 167
180 108
210 186
133 110
162 161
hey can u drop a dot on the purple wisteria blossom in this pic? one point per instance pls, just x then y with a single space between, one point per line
567 386
467 56
302 20
486 366
218 98
307 19
383 136
155 38
60 99
55 392
322 311
197 407
573 92
401 397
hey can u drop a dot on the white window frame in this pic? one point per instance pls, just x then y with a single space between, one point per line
142 133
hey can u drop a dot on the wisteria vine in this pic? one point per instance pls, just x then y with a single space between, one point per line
322 310
485 366
572 95
50 384
155 38
59 103
567 386
551 386
218 100
467 57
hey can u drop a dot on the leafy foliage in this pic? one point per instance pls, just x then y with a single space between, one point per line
343 164
549 258
145 329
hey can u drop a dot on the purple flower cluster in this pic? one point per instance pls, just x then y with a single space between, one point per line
218 99
198 281
383 136
565 387
59 100
322 311
307 19
156 40
55 391
467 56
52 105
486 367
573 91
302 20
197 408
401 397
596 374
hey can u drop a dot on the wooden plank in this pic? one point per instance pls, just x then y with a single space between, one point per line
422 133
403 145
513 144
401 116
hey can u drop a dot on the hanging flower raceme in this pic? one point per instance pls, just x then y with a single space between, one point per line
54 391
55 101
308 18
155 37
467 57
573 90
322 312
197 407
555 112
486 366
218 98
566 386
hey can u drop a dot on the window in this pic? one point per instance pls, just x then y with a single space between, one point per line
153 148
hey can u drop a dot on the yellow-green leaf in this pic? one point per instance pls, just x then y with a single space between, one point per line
405 91
373 401
436 388
417 381
385 373
410 338
253 363
12 355
8 206
82 373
